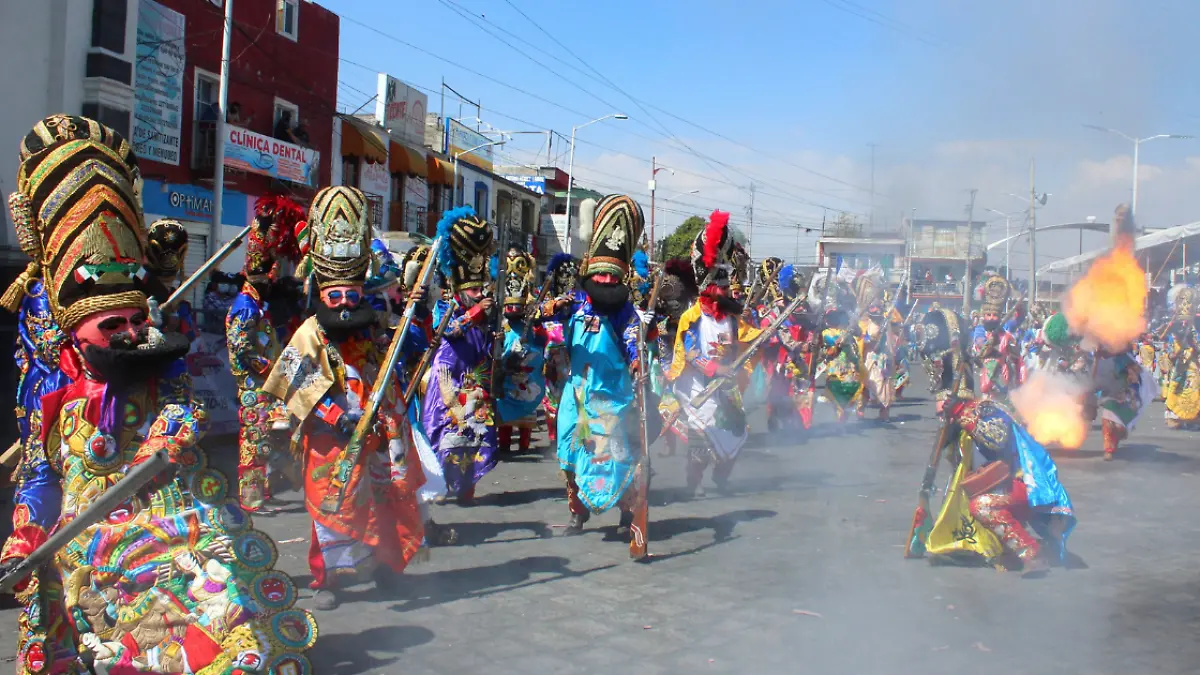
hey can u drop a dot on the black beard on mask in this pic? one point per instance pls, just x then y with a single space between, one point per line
606 298
123 364
729 305
343 323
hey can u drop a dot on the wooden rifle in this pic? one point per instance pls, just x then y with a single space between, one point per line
411 390
914 546
497 370
221 254
768 332
130 484
332 501
638 541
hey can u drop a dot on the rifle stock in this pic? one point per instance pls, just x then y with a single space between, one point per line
914 546
638 539
332 501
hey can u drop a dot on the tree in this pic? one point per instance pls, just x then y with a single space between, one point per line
679 243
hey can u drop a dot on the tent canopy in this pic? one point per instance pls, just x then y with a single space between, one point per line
1147 242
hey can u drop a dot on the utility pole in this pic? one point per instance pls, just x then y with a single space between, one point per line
750 211
219 152
966 279
1032 232
871 217
653 184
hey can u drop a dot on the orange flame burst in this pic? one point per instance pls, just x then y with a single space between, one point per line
1051 405
1107 306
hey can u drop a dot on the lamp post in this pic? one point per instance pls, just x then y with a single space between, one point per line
654 169
1034 200
454 188
571 167
1137 144
1007 243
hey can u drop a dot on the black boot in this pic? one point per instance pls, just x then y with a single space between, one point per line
624 525
575 525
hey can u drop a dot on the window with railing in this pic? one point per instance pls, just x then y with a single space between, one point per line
204 136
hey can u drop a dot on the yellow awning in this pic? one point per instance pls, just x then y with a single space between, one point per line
358 140
405 160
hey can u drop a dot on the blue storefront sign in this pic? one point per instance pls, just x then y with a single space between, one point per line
194 203
534 183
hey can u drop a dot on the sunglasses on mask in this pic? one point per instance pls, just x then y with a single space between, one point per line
352 297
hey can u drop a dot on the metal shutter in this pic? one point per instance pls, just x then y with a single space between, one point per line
197 253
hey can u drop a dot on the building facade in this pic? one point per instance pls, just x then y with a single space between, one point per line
939 252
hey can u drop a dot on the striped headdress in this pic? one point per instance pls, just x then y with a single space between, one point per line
339 237
77 213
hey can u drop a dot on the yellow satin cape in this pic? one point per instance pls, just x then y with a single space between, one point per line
956 532
746 333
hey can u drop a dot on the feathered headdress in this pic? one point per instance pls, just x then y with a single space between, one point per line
273 237
681 268
462 260
562 274
711 252
787 277
639 276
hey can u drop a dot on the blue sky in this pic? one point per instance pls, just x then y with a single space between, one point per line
956 95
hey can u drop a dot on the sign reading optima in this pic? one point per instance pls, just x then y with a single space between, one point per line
256 153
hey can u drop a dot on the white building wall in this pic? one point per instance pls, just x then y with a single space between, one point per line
43 49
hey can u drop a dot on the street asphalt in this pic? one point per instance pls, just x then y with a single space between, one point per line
799 570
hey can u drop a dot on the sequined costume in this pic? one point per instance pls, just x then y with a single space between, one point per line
175 579
877 341
523 377
458 411
366 520
708 340
995 347
1124 388
842 363
1182 388
253 349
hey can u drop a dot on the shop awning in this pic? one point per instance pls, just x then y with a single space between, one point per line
441 172
358 140
405 160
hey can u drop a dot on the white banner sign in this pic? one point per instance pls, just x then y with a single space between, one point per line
158 83
374 179
401 109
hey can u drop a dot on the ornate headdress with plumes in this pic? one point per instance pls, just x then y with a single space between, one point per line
387 268
616 229
639 277
711 251
768 280
414 259
77 213
166 250
791 282
339 237
868 291
741 267
518 282
463 259
1185 304
995 294
562 273
272 239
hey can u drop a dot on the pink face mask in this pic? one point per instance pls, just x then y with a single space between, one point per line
99 328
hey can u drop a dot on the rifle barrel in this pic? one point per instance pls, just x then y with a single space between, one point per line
221 254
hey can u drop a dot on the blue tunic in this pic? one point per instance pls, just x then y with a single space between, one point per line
597 409
524 374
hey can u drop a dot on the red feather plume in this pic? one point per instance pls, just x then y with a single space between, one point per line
284 214
718 223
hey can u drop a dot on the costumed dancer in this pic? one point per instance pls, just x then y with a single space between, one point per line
1182 388
324 377
1004 481
710 336
791 382
166 250
677 293
176 579
561 273
458 410
254 347
995 348
523 384
843 364
599 448
1123 388
877 330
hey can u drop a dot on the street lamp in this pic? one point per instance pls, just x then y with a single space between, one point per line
680 194
1007 243
1137 144
454 188
654 169
571 167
